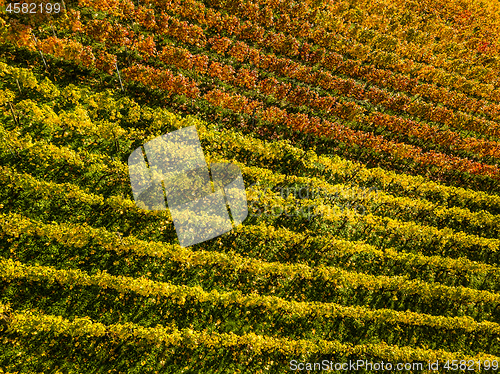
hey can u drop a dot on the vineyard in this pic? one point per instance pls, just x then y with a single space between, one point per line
368 137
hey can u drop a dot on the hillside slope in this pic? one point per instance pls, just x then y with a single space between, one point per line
368 138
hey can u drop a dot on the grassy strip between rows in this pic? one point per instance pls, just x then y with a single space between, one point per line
360 255
407 234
